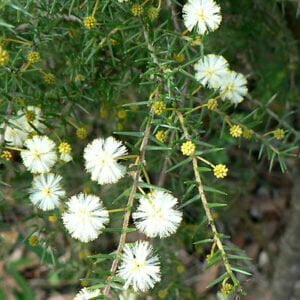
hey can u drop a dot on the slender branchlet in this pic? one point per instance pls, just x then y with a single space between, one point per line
216 234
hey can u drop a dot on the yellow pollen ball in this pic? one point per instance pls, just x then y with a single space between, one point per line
227 289
220 171
33 57
33 240
84 283
159 107
49 78
64 148
6 155
122 114
188 148
236 131
179 57
81 133
180 269
212 104
248 133
90 22
4 57
278 134
53 218
152 13
161 136
137 10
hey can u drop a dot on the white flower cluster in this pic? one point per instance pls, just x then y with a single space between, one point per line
213 70
140 268
39 156
85 217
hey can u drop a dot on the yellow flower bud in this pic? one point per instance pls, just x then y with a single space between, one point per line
161 136
236 131
212 104
152 13
90 22
33 240
49 78
220 171
278 134
188 148
159 107
4 57
64 148
33 57
81 133
137 10
6 155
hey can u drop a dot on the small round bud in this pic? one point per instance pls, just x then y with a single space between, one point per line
179 57
188 148
33 57
49 78
220 171
90 22
6 155
137 10
81 133
122 114
278 134
212 104
159 107
53 218
152 13
33 240
236 131
227 289
64 148
161 136
84 283
180 269
4 57
248 133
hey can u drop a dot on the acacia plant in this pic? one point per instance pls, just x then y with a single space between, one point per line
118 119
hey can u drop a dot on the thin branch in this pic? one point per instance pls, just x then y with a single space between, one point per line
208 213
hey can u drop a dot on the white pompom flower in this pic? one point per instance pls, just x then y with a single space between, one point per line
234 87
85 294
202 14
211 70
140 268
156 214
40 155
101 160
46 191
85 217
